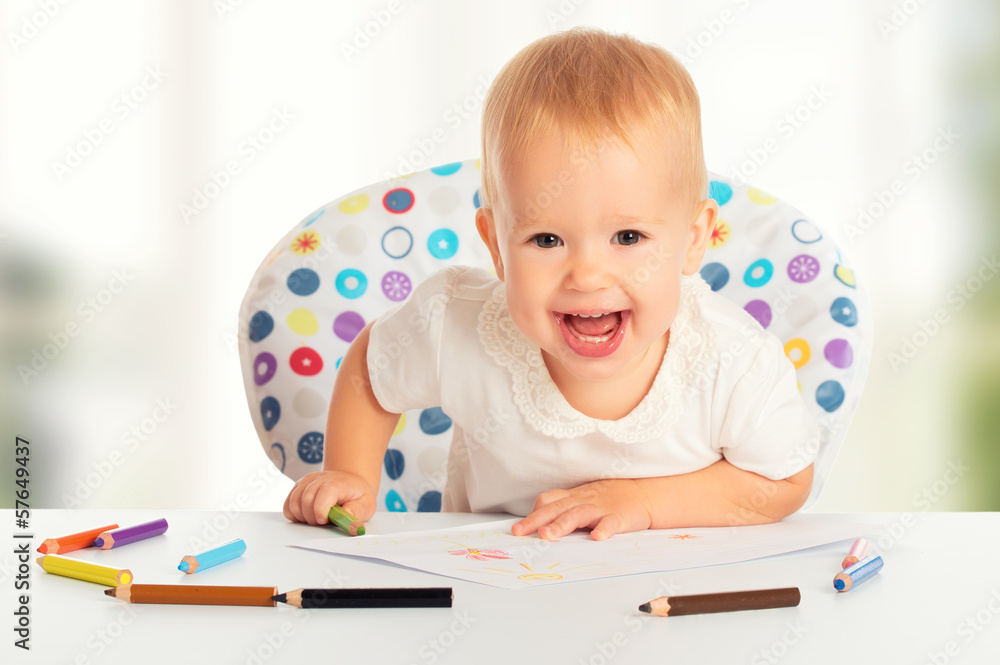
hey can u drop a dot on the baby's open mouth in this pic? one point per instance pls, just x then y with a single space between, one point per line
595 328
593 335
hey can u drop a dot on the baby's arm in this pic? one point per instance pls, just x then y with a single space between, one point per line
718 495
357 434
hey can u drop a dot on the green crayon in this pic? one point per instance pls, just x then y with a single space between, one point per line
350 524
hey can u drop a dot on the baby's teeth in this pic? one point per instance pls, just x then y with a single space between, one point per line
593 339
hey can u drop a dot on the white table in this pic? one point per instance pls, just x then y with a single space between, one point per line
936 601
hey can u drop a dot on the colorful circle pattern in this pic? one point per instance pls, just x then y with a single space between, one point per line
812 272
803 268
264 367
442 243
716 274
396 285
351 283
398 200
303 282
793 280
397 242
758 273
766 257
374 239
261 326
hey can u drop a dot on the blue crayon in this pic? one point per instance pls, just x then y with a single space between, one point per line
860 572
192 563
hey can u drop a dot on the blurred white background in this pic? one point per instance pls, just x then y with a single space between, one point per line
115 114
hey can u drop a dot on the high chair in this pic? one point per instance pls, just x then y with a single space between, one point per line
356 257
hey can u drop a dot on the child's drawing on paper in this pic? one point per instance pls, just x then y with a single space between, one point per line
479 554
490 554
552 573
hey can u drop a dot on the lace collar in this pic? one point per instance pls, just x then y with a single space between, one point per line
686 360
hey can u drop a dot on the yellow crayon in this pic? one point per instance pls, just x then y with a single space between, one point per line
84 570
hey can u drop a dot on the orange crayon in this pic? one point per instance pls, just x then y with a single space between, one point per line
76 541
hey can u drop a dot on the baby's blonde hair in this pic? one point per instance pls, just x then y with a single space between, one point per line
592 86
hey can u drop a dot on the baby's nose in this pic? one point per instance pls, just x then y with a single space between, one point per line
589 271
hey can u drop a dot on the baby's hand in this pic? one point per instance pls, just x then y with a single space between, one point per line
315 493
606 506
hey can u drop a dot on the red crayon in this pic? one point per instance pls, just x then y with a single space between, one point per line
76 541
130 534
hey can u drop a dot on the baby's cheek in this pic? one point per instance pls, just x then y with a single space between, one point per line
525 319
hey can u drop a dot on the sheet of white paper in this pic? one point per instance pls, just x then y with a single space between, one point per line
489 554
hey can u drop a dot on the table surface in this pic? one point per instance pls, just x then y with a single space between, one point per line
936 601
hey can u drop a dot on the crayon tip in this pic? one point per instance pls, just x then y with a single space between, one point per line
280 598
40 549
839 585
361 531
183 566
109 592
645 608
99 542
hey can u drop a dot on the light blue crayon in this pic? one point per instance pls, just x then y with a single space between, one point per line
860 572
192 563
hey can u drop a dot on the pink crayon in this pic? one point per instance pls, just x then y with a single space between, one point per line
858 551
130 534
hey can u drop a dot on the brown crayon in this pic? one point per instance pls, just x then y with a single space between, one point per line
734 601
188 594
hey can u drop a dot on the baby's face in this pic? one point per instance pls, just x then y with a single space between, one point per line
592 252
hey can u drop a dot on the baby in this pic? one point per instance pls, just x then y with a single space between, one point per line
596 346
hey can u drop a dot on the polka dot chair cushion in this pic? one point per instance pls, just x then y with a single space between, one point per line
767 257
353 259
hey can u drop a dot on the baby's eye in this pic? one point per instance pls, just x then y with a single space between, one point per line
546 240
627 237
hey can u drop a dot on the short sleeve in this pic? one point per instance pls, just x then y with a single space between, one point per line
767 429
404 347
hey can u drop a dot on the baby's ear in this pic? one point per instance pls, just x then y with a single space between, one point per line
699 234
486 225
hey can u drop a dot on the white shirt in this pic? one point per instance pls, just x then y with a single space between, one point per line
724 389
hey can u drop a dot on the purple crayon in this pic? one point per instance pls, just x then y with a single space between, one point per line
130 534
